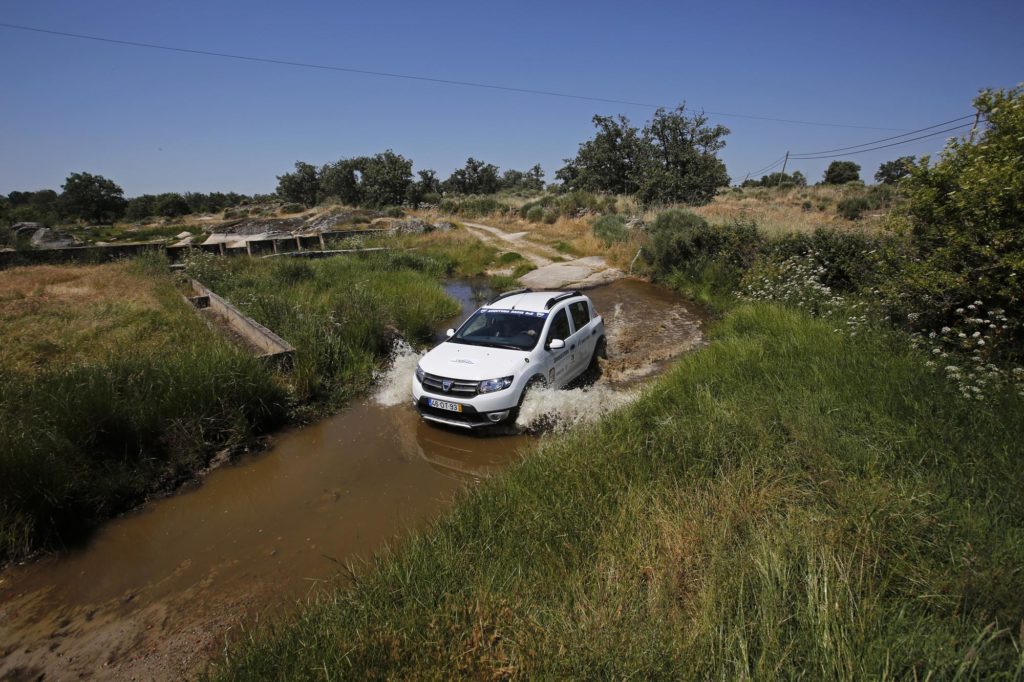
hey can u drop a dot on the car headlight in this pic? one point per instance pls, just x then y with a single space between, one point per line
419 374
492 385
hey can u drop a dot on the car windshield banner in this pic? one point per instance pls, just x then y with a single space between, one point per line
524 313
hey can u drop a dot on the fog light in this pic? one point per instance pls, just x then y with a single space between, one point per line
496 417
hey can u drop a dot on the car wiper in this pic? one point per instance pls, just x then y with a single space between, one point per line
508 346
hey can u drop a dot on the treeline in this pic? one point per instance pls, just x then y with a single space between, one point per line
96 199
387 179
839 173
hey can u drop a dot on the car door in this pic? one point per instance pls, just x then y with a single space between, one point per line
562 358
583 339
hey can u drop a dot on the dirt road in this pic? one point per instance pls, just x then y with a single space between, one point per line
553 270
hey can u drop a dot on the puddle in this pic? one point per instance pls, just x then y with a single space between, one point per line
156 594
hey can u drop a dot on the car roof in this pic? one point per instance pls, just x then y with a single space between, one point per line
534 301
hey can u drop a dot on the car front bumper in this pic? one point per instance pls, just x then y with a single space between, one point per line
476 412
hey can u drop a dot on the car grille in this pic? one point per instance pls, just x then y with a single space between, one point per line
459 388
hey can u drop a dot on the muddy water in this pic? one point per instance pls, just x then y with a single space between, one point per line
157 593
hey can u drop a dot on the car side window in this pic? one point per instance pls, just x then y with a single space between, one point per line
580 314
559 327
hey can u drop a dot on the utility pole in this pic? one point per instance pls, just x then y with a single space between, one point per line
977 116
784 162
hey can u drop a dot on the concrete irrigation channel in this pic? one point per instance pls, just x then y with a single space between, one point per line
239 327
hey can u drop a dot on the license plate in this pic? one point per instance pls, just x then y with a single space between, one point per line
443 405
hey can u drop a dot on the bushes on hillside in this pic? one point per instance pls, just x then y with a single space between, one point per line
681 240
569 205
611 229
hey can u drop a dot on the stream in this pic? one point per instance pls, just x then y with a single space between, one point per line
158 593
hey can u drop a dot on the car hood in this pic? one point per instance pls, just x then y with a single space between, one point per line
473 363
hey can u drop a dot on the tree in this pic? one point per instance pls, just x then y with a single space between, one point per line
608 162
171 205
966 215
300 187
528 181
674 159
140 207
427 188
891 172
797 179
428 182
535 178
92 197
386 179
342 180
476 177
841 172
679 162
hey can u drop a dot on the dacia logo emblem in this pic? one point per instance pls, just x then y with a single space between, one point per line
446 385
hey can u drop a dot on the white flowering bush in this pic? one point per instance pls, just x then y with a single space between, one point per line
964 351
796 281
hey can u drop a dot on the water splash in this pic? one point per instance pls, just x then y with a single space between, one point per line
394 384
551 409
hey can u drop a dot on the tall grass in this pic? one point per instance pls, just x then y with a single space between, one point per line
339 313
788 502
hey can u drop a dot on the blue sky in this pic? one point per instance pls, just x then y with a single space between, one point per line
160 121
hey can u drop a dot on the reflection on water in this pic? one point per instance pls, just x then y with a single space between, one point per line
153 594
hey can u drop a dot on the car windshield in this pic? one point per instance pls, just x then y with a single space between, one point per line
513 329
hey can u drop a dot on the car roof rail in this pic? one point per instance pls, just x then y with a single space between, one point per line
507 294
561 297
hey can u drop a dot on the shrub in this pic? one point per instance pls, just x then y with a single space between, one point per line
535 214
291 208
851 261
965 215
394 212
611 229
509 257
550 216
853 208
681 240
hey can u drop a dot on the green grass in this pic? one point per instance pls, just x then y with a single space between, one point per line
787 502
339 313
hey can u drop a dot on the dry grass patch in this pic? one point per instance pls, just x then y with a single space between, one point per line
74 312
782 211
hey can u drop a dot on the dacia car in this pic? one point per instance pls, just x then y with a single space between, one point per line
480 375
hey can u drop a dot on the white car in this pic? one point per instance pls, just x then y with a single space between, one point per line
520 339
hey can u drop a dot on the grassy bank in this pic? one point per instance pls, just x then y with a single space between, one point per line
787 502
113 388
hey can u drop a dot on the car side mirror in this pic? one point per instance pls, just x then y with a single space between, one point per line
450 333
555 344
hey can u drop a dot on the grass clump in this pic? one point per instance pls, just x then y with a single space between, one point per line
862 523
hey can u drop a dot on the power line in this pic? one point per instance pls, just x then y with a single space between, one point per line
886 146
445 81
766 168
884 139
